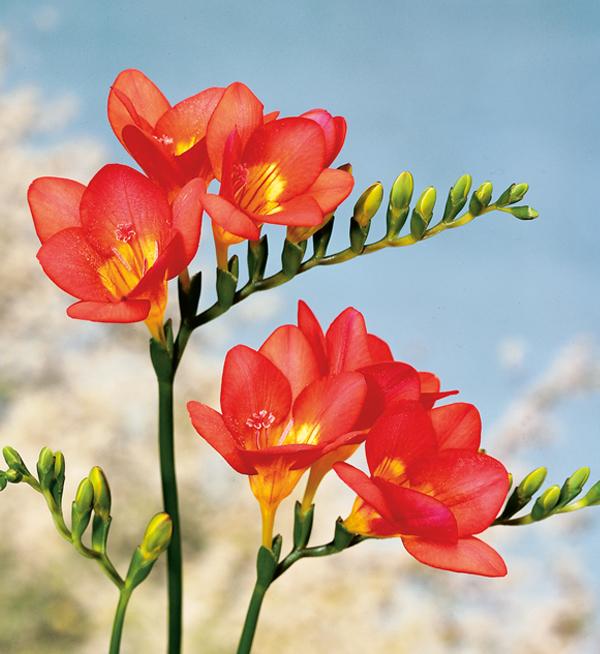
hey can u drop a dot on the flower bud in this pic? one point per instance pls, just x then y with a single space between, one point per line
457 197
593 495
423 212
13 476
58 482
157 537
291 257
14 461
574 485
3 480
368 204
532 483
481 198
45 467
81 509
402 191
102 500
524 212
545 503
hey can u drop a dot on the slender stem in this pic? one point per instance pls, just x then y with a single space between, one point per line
251 622
171 506
117 630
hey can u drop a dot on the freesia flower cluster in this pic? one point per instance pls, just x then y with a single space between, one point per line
306 400
115 244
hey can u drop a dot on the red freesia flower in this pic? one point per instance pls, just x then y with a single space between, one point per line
431 486
115 243
277 173
347 346
277 418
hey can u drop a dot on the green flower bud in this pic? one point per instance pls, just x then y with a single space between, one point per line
58 483
157 537
14 461
518 192
593 495
574 485
457 197
102 500
45 467
3 480
481 198
524 212
402 191
13 476
423 212
545 503
291 257
532 483
81 509
368 204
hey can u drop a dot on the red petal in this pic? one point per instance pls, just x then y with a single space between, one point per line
153 158
117 196
229 217
124 311
310 327
54 204
364 487
347 342
379 349
467 555
472 485
417 514
210 425
388 383
294 146
187 220
158 273
329 407
289 350
290 457
302 211
134 100
430 383
398 440
182 126
334 130
272 115
331 188
239 109
72 264
457 426
250 384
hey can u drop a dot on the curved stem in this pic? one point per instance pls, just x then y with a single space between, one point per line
251 621
171 506
117 630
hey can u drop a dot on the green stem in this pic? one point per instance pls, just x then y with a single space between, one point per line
251 622
279 278
171 506
117 630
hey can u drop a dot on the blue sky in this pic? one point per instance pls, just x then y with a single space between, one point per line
505 91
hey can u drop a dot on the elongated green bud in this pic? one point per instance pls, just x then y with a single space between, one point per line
368 204
523 213
532 483
593 495
457 197
399 204
13 476
81 509
102 499
258 253
58 482
545 503
45 468
3 480
291 257
481 198
14 461
157 537
423 212
574 485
